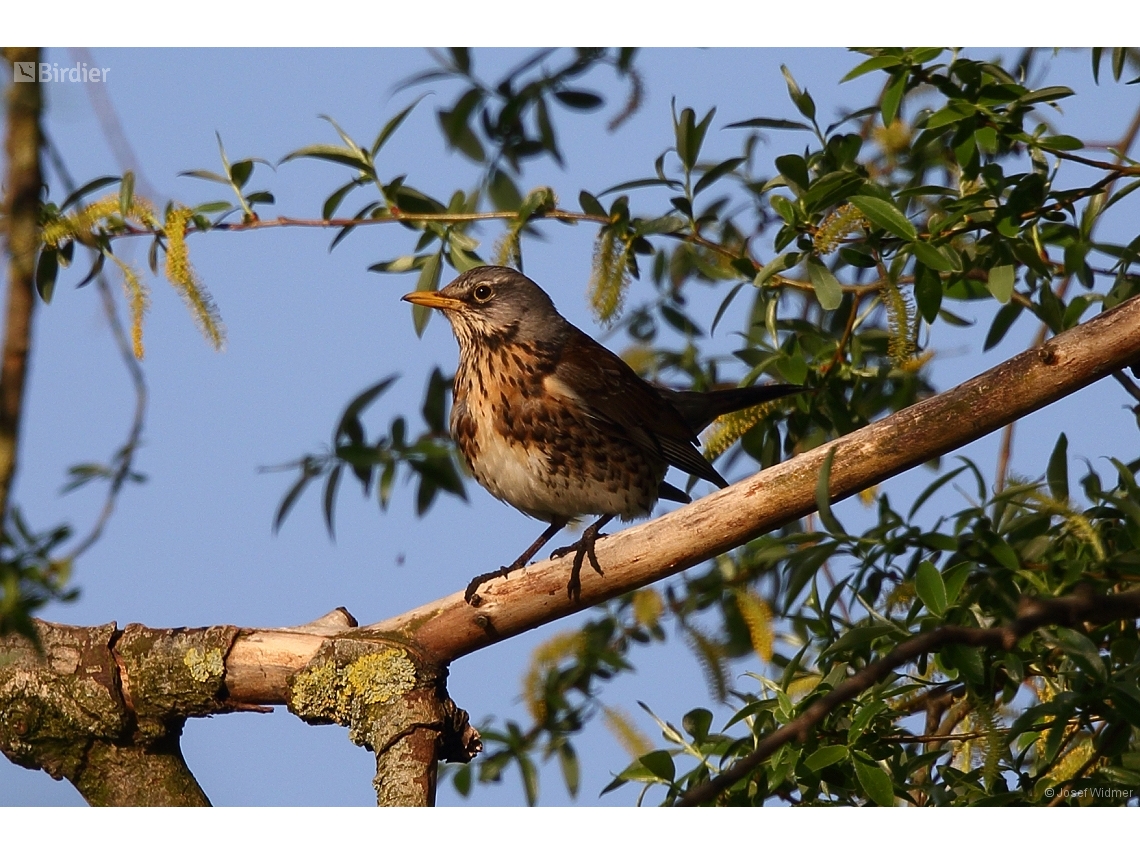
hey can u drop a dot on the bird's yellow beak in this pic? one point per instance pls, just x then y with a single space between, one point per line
433 300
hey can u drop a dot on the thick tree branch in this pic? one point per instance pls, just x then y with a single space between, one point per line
450 628
23 183
1032 615
105 708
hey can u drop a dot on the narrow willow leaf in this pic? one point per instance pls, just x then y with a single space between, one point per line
885 215
1058 470
823 497
930 588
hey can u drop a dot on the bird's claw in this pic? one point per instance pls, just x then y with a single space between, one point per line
471 595
582 549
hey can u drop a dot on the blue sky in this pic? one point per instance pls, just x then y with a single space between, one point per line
307 330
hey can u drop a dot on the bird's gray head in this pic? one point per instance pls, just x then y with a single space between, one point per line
495 305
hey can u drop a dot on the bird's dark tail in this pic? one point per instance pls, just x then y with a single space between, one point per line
700 408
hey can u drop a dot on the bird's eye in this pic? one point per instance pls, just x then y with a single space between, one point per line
482 293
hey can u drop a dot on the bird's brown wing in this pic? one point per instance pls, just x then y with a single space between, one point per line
612 392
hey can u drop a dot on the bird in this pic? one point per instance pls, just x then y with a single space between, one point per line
554 424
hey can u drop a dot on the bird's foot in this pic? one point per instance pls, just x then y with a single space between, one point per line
583 549
471 595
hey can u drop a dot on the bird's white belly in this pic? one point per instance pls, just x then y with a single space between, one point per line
521 475
515 475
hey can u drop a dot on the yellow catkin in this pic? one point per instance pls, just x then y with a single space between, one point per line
609 278
757 616
508 251
993 745
647 607
801 686
182 276
728 428
1076 523
915 362
627 734
138 298
836 226
710 656
1073 760
901 594
544 657
100 217
901 318
1045 694
893 139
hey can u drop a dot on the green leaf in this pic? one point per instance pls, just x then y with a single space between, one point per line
240 172
873 64
892 98
1082 651
435 402
333 154
205 175
47 268
660 763
875 783
127 193
391 126
91 187
1061 142
308 473
1058 470
932 256
775 124
428 281
590 205
930 588
821 758
823 497
697 723
1003 320
716 172
968 661
927 292
329 502
1005 554
358 404
885 215
335 198
1000 282
579 100
827 288
800 98
794 168
777 265
568 760
1049 93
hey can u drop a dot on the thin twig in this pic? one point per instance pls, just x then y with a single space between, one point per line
1032 615
125 456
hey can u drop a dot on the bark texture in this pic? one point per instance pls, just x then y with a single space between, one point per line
23 184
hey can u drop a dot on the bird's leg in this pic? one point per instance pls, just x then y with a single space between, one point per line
584 547
521 561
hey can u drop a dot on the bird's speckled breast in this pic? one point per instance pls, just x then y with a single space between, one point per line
531 442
